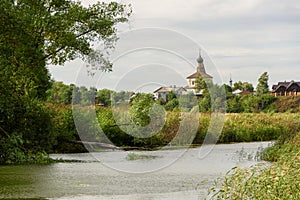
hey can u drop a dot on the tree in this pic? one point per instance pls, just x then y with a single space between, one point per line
237 86
228 90
187 101
244 86
262 86
172 104
76 96
59 93
248 87
34 34
202 84
218 97
140 107
171 95
233 105
104 97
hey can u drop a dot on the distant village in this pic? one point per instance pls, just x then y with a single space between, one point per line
286 88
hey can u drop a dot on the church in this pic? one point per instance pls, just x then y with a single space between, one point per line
201 72
162 92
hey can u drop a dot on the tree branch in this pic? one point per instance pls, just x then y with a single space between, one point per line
7 135
63 47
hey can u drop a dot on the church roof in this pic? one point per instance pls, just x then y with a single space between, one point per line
200 69
168 89
198 74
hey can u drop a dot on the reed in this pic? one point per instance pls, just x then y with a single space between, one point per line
280 180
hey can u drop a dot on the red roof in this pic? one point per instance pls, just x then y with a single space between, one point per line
245 92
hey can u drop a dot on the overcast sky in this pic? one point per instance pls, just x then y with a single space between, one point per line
241 39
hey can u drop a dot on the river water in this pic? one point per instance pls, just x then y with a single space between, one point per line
111 175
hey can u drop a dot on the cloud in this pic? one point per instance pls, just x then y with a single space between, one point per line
189 10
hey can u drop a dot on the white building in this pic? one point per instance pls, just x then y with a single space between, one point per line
162 92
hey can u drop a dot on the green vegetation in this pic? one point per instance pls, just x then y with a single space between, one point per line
34 34
55 120
259 127
27 199
135 156
242 127
247 127
243 86
288 104
36 117
278 181
53 130
262 86
251 103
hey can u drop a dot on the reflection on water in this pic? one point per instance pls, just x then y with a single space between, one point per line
187 178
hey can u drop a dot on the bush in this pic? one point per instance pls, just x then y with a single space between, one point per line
287 104
64 129
25 130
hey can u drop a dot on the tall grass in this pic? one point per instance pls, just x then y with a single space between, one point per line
249 127
242 127
259 127
279 181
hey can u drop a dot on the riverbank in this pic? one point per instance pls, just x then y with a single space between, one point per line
279 181
241 127
238 127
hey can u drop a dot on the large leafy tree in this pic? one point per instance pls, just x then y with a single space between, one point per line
36 33
262 86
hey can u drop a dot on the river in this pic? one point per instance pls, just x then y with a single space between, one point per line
168 174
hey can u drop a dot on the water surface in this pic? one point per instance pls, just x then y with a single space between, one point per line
189 177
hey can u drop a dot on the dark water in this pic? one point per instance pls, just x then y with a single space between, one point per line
188 177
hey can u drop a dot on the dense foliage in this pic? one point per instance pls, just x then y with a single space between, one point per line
243 127
34 34
243 86
262 86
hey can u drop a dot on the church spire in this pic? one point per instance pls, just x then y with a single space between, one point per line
200 59
200 67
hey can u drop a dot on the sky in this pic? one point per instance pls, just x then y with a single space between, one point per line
160 44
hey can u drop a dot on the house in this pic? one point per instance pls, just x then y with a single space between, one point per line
241 92
286 88
162 92
201 72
